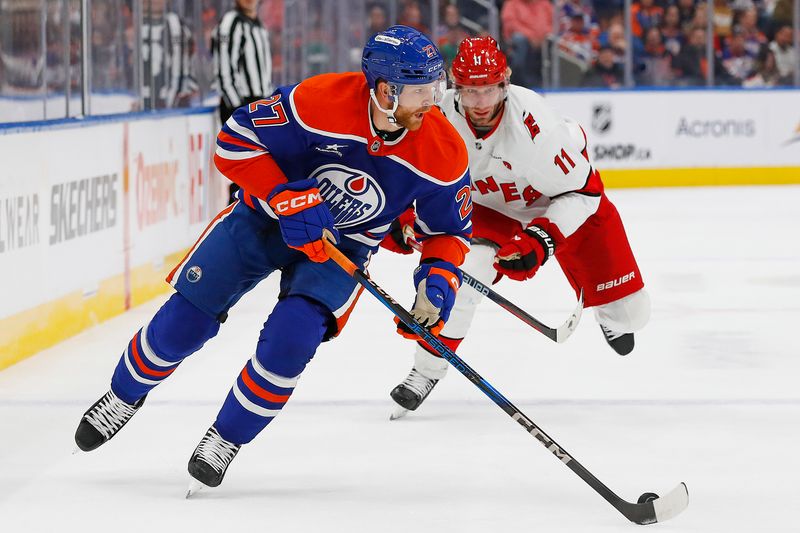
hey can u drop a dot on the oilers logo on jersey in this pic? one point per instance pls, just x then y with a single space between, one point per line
352 196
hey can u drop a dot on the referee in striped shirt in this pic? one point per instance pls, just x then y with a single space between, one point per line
242 60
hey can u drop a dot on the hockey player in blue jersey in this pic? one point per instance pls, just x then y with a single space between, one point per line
338 156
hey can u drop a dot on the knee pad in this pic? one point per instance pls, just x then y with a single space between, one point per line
627 314
179 329
291 335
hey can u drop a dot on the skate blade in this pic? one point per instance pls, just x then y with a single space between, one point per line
399 412
194 487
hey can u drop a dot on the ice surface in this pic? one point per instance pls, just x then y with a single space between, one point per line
710 396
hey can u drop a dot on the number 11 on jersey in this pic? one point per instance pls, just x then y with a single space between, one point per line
559 162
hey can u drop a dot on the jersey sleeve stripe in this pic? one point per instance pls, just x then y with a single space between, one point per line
243 131
237 156
230 139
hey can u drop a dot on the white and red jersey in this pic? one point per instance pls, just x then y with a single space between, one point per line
534 163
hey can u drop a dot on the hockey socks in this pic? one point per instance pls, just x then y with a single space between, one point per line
287 343
176 331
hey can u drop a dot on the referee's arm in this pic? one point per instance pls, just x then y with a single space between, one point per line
230 38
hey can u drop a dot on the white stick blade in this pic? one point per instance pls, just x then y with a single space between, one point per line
565 330
672 504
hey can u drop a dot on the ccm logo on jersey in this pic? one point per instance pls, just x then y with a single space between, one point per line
297 203
615 283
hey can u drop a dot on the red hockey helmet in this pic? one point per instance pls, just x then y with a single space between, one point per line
479 61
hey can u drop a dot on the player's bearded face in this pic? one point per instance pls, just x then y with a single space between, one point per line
483 103
416 100
411 118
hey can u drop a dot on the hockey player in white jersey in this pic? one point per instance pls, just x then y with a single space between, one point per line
536 195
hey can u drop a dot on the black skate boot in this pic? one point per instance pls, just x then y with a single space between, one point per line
622 343
211 458
103 420
413 390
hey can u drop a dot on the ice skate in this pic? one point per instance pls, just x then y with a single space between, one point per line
103 420
622 343
210 460
411 393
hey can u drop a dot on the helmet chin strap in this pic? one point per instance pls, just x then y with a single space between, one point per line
388 112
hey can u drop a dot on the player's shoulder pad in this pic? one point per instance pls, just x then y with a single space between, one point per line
437 149
332 104
523 101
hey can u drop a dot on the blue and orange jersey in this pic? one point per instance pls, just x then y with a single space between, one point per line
321 129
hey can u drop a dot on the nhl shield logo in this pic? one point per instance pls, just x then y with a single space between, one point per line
601 117
352 196
194 274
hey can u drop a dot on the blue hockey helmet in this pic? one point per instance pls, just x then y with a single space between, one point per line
402 56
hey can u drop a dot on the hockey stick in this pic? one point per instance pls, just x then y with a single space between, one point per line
559 334
648 510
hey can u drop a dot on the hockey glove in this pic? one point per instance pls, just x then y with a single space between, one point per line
303 217
521 257
401 230
437 283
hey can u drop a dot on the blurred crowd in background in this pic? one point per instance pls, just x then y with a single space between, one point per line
154 54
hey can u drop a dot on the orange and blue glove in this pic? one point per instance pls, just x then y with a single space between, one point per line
303 217
437 283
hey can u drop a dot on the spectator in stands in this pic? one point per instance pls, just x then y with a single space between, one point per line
606 72
616 40
654 65
577 40
645 14
411 15
671 32
686 10
766 71
691 68
754 38
723 19
700 18
451 32
781 14
785 57
736 59
377 19
572 8
526 26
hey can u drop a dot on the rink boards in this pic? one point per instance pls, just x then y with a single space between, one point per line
92 217
93 214
689 137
